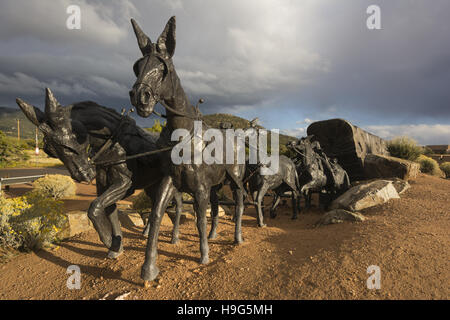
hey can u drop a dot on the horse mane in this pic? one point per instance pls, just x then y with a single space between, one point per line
92 108
97 116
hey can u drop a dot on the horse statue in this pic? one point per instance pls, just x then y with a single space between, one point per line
286 179
317 173
94 142
157 81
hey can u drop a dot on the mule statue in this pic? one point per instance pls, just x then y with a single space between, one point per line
76 133
286 179
157 81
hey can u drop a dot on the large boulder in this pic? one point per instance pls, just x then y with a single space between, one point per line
382 166
348 143
366 195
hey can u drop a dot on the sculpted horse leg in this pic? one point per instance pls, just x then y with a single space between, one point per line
176 224
292 183
259 200
108 226
238 195
200 205
116 248
214 214
295 199
164 194
276 201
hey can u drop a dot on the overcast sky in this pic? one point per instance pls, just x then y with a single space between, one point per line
290 62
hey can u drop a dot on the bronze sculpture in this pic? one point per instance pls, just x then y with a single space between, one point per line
286 179
156 82
316 172
75 134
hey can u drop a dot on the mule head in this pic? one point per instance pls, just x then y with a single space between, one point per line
64 138
154 71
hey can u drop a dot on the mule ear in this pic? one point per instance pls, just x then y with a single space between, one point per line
51 105
167 41
33 114
144 42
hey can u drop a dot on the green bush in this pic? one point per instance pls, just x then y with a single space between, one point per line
428 165
11 150
157 126
57 186
404 148
445 167
30 222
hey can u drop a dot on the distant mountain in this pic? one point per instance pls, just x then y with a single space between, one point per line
7 110
9 116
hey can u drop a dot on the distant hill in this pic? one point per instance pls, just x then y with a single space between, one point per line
8 123
215 119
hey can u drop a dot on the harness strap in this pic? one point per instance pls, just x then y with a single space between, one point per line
111 162
108 142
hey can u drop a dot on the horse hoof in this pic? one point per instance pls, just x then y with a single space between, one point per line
149 274
174 241
262 225
114 254
212 236
204 260
238 241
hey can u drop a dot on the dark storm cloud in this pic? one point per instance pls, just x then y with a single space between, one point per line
312 58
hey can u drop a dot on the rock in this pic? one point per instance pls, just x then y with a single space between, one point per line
130 219
400 185
169 218
339 216
123 296
383 166
348 143
221 212
77 222
366 195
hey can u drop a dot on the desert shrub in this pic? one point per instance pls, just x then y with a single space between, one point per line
427 151
30 222
157 126
428 165
445 167
404 148
56 185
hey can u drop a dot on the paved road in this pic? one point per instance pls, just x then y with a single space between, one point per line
20 172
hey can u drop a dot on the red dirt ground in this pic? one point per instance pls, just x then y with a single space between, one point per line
407 238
